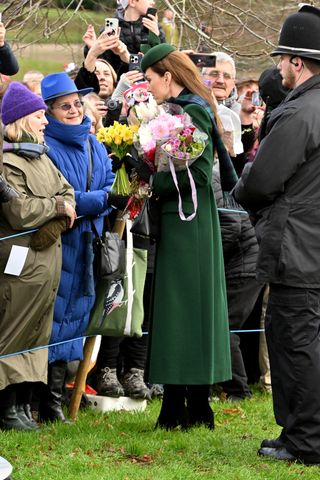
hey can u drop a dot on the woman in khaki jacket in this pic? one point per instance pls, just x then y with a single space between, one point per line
44 201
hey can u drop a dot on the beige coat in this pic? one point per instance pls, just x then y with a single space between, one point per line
27 301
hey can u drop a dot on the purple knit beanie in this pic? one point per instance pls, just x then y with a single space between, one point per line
18 101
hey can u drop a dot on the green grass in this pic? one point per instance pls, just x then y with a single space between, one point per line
125 446
42 66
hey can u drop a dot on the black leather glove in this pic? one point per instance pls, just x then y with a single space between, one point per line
116 163
118 201
143 170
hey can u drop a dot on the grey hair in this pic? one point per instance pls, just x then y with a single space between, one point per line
223 57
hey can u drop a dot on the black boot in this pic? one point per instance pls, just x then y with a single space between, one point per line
9 420
173 411
199 410
30 422
6 192
50 409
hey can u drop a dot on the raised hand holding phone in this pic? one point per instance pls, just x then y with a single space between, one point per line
150 21
111 26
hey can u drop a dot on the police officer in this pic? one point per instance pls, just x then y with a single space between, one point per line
282 187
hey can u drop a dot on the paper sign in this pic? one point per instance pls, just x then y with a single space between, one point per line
16 260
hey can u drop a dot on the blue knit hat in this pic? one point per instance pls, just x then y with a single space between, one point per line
18 101
58 85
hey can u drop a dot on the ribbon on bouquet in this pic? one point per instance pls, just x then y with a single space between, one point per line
193 192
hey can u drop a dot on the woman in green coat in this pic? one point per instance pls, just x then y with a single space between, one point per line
189 338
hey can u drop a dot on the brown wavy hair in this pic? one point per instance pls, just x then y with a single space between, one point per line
185 73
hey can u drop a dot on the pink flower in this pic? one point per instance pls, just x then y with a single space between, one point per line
159 129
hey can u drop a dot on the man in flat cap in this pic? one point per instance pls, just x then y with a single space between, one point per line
282 187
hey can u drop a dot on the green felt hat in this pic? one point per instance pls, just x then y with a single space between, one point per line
155 54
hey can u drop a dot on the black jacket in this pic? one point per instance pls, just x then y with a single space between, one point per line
239 242
282 186
133 35
8 62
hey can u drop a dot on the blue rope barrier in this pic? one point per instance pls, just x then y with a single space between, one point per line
30 231
89 336
43 346
79 338
82 216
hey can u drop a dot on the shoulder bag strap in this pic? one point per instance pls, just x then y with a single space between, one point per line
89 177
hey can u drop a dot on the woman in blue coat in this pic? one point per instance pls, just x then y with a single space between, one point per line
86 165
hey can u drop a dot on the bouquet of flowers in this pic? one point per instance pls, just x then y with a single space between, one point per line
166 138
183 149
141 106
119 138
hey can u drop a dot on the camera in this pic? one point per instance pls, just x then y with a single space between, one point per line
6 192
114 112
113 104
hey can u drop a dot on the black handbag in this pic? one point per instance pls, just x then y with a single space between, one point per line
147 222
109 261
109 256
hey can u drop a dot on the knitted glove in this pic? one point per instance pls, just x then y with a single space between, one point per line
49 233
118 201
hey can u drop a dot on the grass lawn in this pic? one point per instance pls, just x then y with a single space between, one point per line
125 446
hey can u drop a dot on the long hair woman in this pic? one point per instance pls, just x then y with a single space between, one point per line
189 340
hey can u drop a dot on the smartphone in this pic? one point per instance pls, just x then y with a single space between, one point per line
111 25
203 59
151 11
256 99
135 61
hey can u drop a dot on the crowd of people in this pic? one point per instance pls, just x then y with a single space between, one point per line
251 246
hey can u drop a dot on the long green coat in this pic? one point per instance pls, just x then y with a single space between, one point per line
189 337
27 301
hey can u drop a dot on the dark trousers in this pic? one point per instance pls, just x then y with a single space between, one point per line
242 294
292 330
132 351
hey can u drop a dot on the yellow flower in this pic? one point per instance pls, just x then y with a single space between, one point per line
118 140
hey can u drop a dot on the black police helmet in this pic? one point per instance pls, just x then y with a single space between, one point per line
300 34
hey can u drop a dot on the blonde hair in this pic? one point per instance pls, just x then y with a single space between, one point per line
89 104
112 70
186 74
15 131
32 80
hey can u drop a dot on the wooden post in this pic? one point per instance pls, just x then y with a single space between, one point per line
81 378
83 369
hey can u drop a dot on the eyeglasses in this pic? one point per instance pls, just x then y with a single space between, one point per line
67 106
217 74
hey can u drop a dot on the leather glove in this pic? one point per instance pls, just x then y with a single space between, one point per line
116 163
118 201
49 233
143 170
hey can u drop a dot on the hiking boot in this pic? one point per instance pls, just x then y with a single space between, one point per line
156 390
108 384
134 385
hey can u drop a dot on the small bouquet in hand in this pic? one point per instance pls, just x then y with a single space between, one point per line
119 138
151 135
183 149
